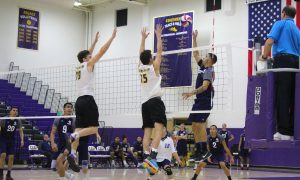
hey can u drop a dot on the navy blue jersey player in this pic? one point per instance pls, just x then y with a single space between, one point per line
8 128
216 145
204 92
63 127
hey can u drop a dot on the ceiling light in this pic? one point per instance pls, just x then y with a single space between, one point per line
77 3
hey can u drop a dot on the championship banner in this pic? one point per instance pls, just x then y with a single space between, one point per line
176 69
28 29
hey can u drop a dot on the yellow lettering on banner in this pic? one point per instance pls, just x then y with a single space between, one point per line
29 13
173 19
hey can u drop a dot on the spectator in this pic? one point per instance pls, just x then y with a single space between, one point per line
181 137
45 148
138 148
127 151
116 150
227 137
244 152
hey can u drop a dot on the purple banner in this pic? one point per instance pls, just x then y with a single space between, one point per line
28 29
177 34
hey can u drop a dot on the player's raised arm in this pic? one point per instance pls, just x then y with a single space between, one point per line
196 53
92 47
144 35
103 49
157 62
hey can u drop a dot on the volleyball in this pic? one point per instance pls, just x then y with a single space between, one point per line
186 20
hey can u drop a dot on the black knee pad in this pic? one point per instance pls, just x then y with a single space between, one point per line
168 170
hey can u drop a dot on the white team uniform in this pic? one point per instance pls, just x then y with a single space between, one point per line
165 149
150 83
85 80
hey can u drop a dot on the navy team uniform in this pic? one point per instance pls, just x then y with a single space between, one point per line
126 147
216 148
243 151
226 135
181 144
64 126
203 100
7 135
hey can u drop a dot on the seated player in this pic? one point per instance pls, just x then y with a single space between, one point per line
166 150
243 152
8 129
181 147
138 148
227 137
45 149
127 151
216 146
116 150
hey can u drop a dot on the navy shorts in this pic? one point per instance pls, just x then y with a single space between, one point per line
244 152
7 146
181 149
163 163
200 105
216 158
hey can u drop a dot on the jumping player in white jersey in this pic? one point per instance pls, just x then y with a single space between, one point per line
166 150
86 108
153 108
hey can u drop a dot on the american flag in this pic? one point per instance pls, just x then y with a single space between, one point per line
262 16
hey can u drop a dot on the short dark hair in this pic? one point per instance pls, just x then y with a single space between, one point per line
123 137
12 107
82 54
213 57
214 126
68 103
290 11
145 57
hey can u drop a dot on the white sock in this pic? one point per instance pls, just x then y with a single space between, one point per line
154 150
73 151
53 164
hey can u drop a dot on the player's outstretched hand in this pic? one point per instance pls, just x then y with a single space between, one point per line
114 33
209 160
144 33
231 160
158 30
54 147
187 95
97 37
180 163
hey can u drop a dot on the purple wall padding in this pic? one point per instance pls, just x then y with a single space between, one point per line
260 123
270 110
297 108
255 124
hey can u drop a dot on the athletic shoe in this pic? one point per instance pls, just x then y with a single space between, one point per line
70 176
150 173
72 163
8 177
151 164
74 136
278 136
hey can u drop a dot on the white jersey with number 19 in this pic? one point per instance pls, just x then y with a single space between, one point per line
150 83
85 80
